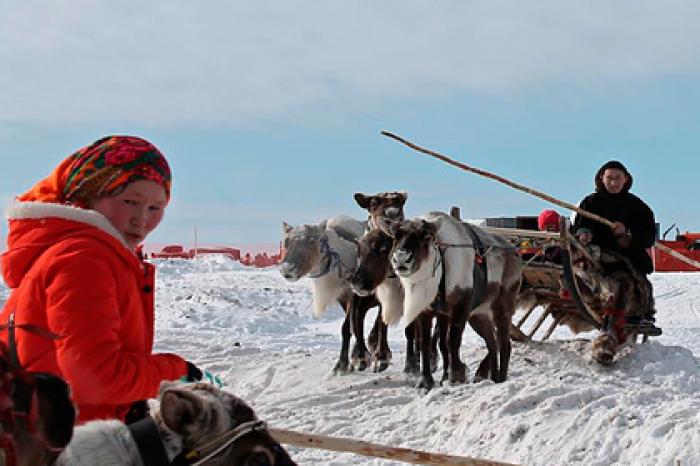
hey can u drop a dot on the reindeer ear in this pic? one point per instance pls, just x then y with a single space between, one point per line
429 229
362 200
56 411
286 228
403 196
179 408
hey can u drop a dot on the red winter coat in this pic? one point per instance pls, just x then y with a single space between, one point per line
72 274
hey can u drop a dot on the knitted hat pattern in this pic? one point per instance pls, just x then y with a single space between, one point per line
109 164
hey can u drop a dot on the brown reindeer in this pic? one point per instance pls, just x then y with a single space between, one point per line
36 416
374 274
384 208
620 294
190 424
426 249
327 253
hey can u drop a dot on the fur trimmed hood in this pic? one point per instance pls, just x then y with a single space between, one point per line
36 226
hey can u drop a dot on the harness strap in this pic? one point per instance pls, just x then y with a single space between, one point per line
10 326
197 456
147 438
617 321
439 303
331 260
480 272
12 340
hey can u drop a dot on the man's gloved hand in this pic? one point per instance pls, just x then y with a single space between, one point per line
624 241
195 374
618 229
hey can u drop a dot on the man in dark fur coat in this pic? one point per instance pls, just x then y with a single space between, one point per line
634 228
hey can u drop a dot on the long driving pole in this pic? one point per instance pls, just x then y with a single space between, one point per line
534 192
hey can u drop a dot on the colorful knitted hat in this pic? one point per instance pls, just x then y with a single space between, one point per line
548 220
101 169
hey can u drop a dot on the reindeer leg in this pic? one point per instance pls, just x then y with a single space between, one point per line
412 365
343 364
484 328
359 351
604 346
434 338
383 351
426 381
458 370
503 320
375 333
442 328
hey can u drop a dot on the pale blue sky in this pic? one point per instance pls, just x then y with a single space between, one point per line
271 111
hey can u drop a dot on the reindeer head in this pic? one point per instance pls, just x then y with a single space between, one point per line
597 290
383 207
373 264
202 415
303 246
36 416
413 240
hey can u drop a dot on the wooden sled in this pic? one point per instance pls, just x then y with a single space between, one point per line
550 290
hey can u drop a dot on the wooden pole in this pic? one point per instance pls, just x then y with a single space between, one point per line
359 447
534 192
677 255
500 179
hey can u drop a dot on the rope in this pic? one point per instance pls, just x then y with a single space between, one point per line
331 258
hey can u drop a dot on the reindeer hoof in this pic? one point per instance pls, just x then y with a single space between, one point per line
445 377
341 368
425 383
380 365
458 374
359 364
411 367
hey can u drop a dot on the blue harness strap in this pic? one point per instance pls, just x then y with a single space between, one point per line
331 260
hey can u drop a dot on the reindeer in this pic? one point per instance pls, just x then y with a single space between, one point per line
191 424
36 415
425 249
374 272
382 207
620 293
327 253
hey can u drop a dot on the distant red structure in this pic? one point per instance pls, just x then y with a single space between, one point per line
687 244
179 252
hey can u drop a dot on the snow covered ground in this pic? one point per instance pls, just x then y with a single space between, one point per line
557 407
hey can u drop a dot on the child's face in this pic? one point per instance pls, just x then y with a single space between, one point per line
585 238
136 211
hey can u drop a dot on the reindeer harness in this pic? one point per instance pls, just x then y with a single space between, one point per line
479 271
147 437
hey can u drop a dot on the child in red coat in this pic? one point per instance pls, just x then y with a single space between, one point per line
81 300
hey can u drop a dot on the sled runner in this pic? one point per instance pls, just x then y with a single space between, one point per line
564 284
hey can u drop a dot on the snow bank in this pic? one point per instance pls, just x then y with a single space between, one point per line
557 406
